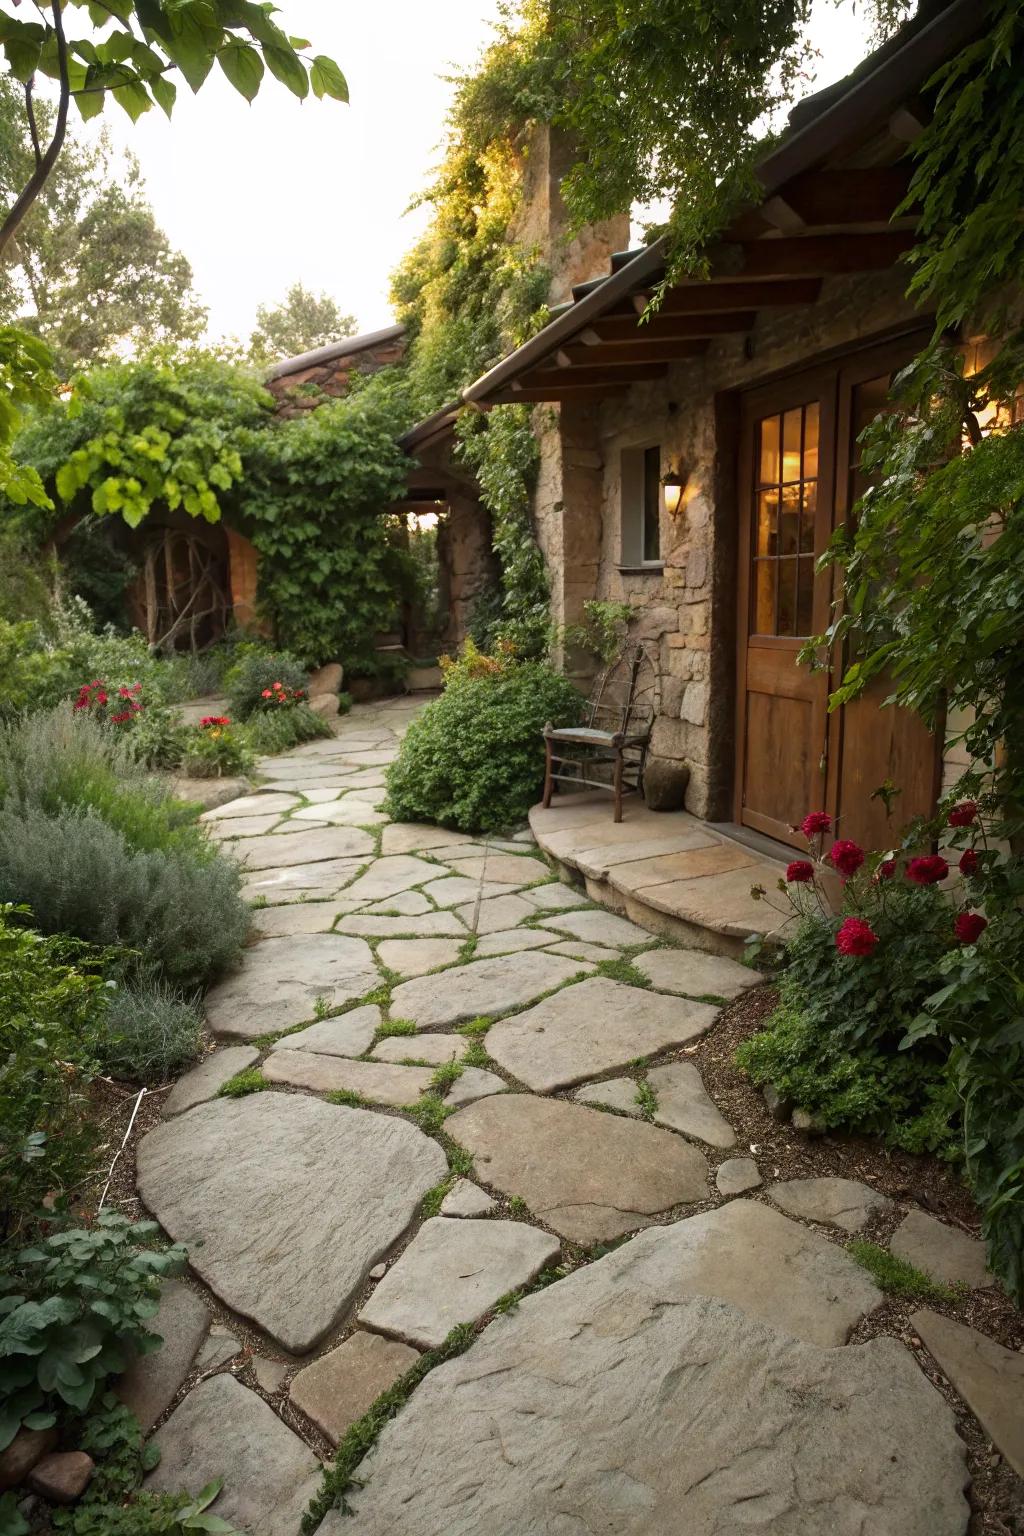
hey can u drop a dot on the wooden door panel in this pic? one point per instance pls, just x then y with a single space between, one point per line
878 745
780 770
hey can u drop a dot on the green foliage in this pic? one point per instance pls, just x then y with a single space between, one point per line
73 1310
361 1436
332 563
148 1514
112 1436
27 382
432 1200
444 1075
347 1098
603 631
151 433
646 1100
302 322
622 970
429 1113
255 673
895 1276
216 750
395 1027
251 1080
151 1032
474 758
51 1013
35 676
158 738
281 729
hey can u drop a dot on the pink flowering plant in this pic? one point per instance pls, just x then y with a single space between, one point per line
108 705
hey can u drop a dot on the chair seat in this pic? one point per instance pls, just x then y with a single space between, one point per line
588 736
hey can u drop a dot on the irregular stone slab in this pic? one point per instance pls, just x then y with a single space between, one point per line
693 973
493 915
845 1203
432 925
321 796
402 904
205 1081
386 877
590 1176
588 1029
466 1199
298 917
349 1034
579 951
454 890
285 1203
408 837
342 1385
302 882
736 1175
508 868
379 1082
281 979
151 1382
343 813
614 1093
220 1347
267 804
242 826
684 1105
714 859
453 1272
508 941
435 1049
988 1377
222 1430
276 852
597 1408
291 827
556 897
943 1253
482 987
475 1083
599 928
270 1374
415 957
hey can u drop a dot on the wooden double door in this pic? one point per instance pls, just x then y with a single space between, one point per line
799 475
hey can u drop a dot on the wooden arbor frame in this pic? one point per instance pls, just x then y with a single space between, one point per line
619 720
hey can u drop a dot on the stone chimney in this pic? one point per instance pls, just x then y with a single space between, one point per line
543 221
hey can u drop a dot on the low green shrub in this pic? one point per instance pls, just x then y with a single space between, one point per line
150 1031
149 1514
474 758
158 738
73 1313
216 749
183 915
279 730
250 682
894 1275
51 1012
34 675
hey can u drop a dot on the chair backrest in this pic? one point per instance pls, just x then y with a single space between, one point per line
626 693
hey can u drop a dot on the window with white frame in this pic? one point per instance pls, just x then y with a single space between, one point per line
641 506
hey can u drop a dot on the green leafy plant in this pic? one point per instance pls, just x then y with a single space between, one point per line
646 1100
251 1080
260 679
280 730
158 738
603 631
474 758
150 1031
150 1514
73 1310
389 1027
429 1113
215 750
895 1276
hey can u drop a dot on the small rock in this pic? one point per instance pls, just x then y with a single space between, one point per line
736 1175
325 704
433 1049
466 1199
348 1035
614 1093
778 1107
220 1347
845 1203
665 784
62 1477
685 1106
27 1447
378 1272
326 679
804 1120
269 1373
944 1253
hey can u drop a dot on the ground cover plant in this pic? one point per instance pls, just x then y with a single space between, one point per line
474 758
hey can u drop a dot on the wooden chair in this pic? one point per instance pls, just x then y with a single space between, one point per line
619 720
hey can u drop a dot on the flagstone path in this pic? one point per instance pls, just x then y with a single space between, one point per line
469 1076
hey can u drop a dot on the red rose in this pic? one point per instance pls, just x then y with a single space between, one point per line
963 814
968 862
846 856
856 937
815 823
800 871
969 926
927 870
886 869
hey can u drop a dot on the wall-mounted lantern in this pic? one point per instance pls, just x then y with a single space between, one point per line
672 487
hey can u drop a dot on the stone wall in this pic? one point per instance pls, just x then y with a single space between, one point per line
687 606
307 387
573 256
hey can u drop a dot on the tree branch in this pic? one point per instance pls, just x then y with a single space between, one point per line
33 130
46 163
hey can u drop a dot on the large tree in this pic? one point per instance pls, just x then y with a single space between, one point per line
302 321
90 270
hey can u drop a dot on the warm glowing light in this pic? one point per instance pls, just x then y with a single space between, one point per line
672 493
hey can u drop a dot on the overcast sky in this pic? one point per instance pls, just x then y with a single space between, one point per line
261 196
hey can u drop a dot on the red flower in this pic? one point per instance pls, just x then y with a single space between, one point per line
800 871
265 694
968 862
846 856
969 926
856 937
886 869
816 822
278 686
125 714
963 814
102 698
208 720
928 870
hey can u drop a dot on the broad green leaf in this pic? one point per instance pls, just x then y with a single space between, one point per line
284 66
165 93
243 67
190 47
90 102
327 79
22 56
133 98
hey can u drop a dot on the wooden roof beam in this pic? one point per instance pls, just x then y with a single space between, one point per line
520 394
644 349
823 255
664 327
624 373
728 296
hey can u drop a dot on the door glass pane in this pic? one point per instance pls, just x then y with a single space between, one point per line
785 503
787 597
791 444
652 504
808 515
811 442
767 522
768 452
789 531
805 595
867 401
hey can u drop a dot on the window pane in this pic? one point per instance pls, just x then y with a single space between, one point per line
805 596
789 532
809 512
811 442
767 522
787 598
768 453
764 597
652 503
791 444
